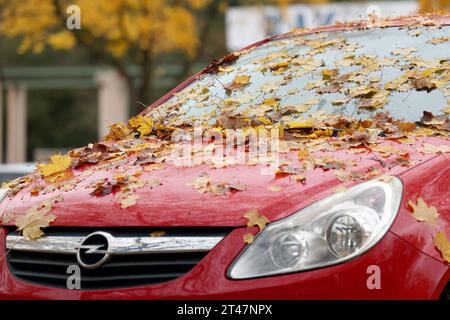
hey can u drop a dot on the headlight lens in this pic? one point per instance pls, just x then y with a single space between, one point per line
327 232
3 193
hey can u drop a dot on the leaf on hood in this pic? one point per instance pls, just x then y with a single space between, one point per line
434 149
126 199
423 213
58 164
329 74
256 219
204 184
35 218
443 245
439 40
248 238
274 188
386 150
92 153
340 102
406 126
105 186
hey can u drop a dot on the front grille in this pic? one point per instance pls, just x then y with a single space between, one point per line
149 260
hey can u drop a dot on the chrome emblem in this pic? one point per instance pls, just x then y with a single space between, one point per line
94 251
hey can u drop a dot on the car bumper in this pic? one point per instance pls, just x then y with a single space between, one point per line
405 273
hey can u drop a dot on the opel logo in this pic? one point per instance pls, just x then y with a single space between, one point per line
94 251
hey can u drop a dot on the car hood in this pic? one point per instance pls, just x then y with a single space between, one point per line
171 198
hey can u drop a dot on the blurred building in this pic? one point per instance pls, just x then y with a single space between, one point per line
112 105
248 24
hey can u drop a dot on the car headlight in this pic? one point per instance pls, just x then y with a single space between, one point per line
3 193
330 231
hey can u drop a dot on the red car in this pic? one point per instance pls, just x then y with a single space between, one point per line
353 203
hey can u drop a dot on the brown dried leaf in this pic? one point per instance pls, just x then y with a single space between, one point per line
256 219
443 245
423 213
35 218
248 238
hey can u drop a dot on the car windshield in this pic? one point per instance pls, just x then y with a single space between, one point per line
357 73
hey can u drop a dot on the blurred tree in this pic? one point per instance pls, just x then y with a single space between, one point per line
121 32
434 5
117 31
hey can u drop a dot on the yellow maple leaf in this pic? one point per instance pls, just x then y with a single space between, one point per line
329 74
271 102
423 213
443 245
34 219
144 125
256 219
242 79
118 131
307 124
58 163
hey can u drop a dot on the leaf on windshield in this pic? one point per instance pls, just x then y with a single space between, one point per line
204 184
144 125
274 188
404 51
118 131
239 82
423 213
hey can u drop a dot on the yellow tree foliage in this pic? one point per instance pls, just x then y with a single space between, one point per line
156 25
434 5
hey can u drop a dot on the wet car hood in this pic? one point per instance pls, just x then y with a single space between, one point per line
173 202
